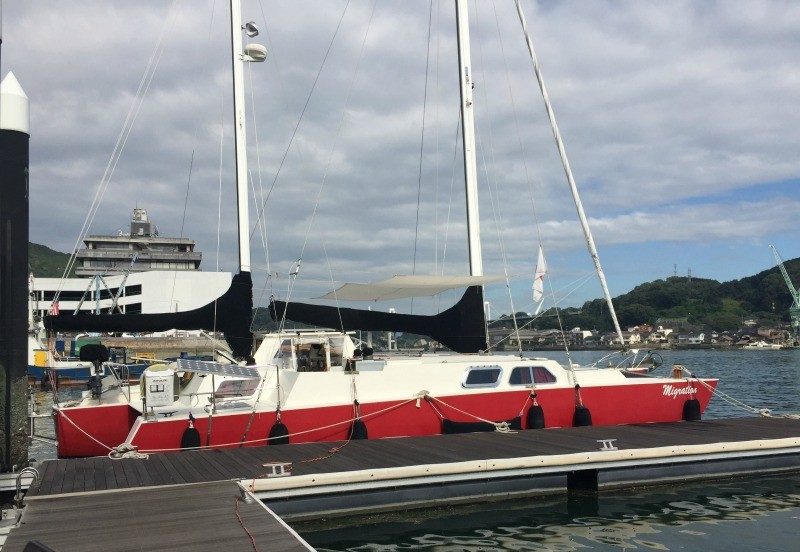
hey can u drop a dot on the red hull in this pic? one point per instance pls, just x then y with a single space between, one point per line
109 425
609 405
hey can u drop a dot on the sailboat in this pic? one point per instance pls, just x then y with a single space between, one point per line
324 385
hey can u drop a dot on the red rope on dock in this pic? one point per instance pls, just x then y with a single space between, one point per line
241 522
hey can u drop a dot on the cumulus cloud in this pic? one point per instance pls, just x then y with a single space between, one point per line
679 119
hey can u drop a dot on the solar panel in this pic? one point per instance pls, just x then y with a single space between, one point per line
217 368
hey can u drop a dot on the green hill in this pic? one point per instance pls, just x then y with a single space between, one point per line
717 305
45 262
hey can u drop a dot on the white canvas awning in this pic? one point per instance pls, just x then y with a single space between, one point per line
402 287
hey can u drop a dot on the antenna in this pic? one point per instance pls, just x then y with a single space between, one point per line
675 269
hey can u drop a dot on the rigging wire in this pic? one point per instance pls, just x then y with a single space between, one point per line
587 233
528 178
122 139
452 182
194 148
422 143
436 140
221 158
302 112
340 126
272 49
576 285
333 286
515 114
261 222
219 198
494 193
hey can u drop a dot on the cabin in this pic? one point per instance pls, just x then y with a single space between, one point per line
309 351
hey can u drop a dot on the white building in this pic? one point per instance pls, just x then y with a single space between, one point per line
140 250
142 292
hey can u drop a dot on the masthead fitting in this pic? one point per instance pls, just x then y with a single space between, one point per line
250 29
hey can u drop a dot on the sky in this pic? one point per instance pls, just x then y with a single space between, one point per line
681 121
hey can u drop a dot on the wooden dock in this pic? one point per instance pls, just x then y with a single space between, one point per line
178 496
207 516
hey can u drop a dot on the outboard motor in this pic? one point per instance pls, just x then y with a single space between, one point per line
96 354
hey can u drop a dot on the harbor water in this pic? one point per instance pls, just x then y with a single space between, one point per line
739 514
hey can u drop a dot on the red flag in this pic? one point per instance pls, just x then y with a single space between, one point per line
54 308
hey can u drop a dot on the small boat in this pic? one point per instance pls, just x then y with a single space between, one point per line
762 345
47 366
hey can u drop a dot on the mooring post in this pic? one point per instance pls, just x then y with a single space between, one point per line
14 138
582 481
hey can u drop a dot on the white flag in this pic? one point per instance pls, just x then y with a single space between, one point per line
538 279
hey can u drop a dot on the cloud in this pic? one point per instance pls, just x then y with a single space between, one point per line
679 119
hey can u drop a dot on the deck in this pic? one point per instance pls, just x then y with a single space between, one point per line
184 517
186 500
101 473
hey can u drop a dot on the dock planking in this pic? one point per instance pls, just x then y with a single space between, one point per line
187 500
199 466
192 517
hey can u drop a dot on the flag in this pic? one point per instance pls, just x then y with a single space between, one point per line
538 280
54 309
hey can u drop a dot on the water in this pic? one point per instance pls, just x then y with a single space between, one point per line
741 514
745 514
763 379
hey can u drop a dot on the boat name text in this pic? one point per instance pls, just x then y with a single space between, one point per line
675 392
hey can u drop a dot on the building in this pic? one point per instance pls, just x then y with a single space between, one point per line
142 292
691 339
630 338
139 272
141 250
661 335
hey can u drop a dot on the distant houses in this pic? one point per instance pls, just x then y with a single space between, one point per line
641 336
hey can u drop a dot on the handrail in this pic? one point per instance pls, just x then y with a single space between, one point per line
36 478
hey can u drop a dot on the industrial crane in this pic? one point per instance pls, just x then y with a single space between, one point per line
794 309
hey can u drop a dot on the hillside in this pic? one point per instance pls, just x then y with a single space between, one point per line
45 262
704 302
718 305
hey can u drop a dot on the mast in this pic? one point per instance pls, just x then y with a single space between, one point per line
587 232
468 140
240 136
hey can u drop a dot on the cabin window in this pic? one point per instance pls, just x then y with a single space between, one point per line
484 376
283 356
311 357
285 349
337 345
525 375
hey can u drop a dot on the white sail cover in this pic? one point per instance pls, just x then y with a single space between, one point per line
538 280
402 287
